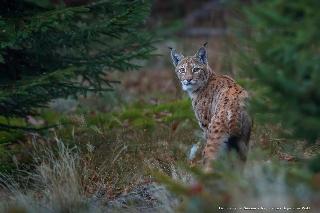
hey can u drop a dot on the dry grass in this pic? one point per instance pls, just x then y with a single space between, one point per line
55 185
97 176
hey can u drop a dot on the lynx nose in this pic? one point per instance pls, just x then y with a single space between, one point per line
188 81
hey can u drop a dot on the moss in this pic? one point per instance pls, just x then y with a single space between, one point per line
178 111
144 123
184 104
12 121
7 137
50 116
6 163
142 115
138 105
114 122
131 113
99 119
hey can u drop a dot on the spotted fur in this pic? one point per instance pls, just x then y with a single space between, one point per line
219 104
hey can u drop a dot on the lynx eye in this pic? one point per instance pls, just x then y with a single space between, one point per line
196 69
182 70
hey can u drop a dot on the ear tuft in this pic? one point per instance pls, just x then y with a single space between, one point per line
202 54
175 56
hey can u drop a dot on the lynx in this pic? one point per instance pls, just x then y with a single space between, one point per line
219 104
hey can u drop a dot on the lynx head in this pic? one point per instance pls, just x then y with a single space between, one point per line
192 71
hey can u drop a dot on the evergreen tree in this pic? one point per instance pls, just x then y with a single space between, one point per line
284 59
51 49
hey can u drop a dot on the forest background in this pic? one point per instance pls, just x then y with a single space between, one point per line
92 117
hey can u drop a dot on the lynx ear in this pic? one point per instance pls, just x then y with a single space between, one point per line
175 56
202 55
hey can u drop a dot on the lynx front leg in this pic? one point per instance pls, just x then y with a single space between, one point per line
215 144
